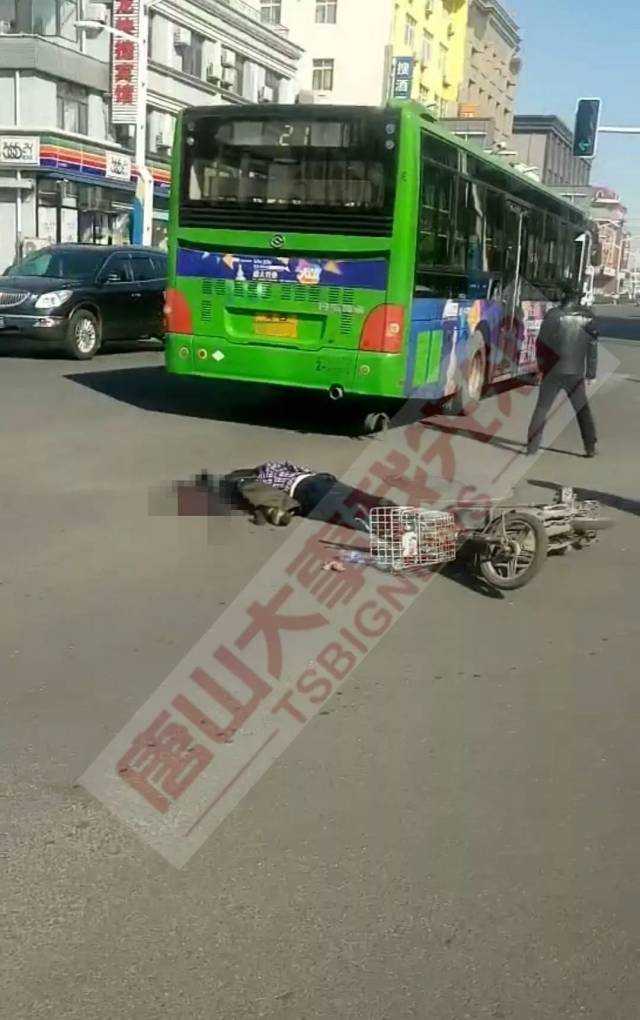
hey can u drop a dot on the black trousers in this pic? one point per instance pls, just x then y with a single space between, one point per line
575 388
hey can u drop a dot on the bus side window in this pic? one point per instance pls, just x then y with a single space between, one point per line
470 251
436 215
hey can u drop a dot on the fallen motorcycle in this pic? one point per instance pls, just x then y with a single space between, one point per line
504 545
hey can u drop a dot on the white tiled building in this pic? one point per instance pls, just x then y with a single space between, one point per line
66 172
347 44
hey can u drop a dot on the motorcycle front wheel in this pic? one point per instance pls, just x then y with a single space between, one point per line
518 550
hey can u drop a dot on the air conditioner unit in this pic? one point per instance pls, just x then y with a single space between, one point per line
213 74
228 77
265 94
181 38
228 57
97 12
5 27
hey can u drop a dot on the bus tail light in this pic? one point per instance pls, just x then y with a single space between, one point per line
177 313
383 330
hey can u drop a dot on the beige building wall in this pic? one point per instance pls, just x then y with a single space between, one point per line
492 66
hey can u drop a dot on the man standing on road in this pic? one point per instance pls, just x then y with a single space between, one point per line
567 357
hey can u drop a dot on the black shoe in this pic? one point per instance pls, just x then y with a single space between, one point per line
531 451
592 452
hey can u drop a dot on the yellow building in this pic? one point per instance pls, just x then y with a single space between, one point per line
433 32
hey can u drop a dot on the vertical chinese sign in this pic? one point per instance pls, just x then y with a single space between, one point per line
124 86
402 84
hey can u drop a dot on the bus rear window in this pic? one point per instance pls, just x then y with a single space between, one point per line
339 166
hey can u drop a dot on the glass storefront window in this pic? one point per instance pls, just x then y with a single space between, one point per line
160 234
91 214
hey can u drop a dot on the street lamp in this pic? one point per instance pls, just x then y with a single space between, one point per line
143 204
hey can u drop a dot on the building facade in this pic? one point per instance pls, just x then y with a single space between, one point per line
66 170
610 215
547 143
492 67
351 44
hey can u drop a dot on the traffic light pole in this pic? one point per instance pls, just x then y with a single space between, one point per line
619 130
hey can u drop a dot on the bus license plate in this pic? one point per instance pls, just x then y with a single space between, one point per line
284 327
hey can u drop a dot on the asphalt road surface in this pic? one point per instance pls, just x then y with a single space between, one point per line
456 837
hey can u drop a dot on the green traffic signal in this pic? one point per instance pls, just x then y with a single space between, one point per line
586 129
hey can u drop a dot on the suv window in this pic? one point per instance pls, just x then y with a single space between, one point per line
161 266
118 266
144 268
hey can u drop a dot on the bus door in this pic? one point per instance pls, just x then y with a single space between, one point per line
506 359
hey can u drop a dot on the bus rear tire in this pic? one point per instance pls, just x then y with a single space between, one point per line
472 378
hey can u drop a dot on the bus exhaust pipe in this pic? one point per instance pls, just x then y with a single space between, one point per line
336 392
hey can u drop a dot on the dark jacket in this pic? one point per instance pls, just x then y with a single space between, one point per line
568 342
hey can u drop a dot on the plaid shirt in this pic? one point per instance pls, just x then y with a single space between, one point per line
281 474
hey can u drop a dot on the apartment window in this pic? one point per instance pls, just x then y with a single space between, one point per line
443 62
67 17
322 80
273 81
51 17
191 56
160 130
423 95
73 108
326 12
270 12
428 42
410 31
240 71
44 17
8 16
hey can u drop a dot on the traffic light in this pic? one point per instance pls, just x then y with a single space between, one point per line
585 137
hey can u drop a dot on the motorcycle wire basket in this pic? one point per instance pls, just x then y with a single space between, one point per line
405 537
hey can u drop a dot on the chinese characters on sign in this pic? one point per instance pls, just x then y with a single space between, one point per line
124 85
118 166
402 78
20 149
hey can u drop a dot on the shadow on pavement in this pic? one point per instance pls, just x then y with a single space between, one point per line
610 499
513 445
151 388
14 348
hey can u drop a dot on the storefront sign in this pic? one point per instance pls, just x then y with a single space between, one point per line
118 166
402 78
19 149
124 86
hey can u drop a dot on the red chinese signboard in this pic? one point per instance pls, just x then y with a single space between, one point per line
124 85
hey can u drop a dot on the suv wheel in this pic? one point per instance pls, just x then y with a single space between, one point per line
83 335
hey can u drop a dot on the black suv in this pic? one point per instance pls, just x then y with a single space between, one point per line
80 295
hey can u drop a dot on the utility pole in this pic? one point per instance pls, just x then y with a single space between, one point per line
143 206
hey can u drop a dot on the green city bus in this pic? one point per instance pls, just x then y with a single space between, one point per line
358 251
